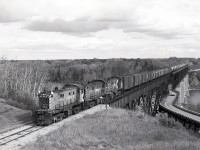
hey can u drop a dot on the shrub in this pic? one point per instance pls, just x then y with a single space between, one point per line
165 121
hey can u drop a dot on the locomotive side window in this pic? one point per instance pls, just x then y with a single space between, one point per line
73 93
69 93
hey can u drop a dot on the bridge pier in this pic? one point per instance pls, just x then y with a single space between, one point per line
149 102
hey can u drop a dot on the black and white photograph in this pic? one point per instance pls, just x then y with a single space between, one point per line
99 75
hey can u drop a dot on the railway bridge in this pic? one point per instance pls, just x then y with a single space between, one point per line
149 96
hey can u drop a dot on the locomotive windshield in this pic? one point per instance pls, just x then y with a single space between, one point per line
43 101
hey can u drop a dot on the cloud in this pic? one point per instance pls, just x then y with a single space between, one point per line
6 16
167 20
80 26
15 11
129 28
160 18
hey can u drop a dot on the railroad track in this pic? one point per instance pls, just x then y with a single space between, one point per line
14 136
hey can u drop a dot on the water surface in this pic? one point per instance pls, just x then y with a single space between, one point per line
193 101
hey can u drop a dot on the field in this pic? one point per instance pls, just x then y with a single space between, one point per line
12 117
119 129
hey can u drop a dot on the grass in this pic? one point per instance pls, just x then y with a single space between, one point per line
118 129
12 117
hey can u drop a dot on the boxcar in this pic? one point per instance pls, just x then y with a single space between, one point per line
153 75
165 71
157 73
147 76
161 72
128 82
138 79
143 77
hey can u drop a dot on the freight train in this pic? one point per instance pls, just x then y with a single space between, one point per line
72 98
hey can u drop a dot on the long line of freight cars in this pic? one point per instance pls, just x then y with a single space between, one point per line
131 80
57 104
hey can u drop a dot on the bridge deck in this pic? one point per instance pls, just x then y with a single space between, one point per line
168 104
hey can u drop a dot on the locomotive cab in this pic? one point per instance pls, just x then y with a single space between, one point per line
44 100
94 91
114 86
43 115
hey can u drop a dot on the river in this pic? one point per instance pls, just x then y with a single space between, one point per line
193 101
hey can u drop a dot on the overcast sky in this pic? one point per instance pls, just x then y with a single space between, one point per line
71 29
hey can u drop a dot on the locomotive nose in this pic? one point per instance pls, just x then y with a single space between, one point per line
40 120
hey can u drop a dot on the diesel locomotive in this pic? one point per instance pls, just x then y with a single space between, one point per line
72 98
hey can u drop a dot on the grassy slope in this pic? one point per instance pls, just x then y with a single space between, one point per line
116 129
11 117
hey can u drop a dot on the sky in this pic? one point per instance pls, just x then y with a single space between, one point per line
77 29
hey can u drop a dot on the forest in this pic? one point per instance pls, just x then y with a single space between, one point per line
22 79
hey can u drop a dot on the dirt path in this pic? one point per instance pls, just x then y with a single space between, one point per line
17 145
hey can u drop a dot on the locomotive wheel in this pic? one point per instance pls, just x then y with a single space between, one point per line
76 109
58 117
92 104
65 114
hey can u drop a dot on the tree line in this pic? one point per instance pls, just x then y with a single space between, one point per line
20 81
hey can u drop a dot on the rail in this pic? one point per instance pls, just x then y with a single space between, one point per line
14 136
